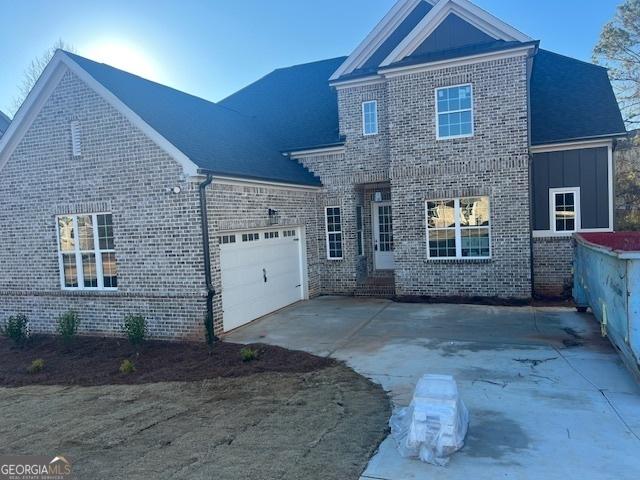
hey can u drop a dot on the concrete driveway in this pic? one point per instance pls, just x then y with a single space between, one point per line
548 397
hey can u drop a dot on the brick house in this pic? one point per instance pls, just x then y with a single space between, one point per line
447 156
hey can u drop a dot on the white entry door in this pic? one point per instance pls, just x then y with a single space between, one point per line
261 272
382 236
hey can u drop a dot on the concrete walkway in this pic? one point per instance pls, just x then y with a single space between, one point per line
548 398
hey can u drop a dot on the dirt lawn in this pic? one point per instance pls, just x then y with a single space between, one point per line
323 423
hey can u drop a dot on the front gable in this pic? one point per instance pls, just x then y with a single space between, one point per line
452 33
426 29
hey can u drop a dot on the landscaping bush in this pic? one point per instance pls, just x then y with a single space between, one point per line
135 326
17 329
127 367
36 366
68 325
248 354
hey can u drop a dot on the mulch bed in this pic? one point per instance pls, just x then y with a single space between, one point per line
90 361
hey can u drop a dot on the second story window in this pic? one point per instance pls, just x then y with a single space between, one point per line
454 117
370 117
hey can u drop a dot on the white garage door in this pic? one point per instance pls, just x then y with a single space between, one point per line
261 273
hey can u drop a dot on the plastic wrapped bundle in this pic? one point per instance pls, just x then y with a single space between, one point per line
435 424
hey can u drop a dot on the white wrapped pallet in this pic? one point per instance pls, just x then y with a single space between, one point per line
435 424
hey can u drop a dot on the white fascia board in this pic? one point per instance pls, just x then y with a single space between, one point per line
357 82
454 62
477 17
189 168
239 181
555 147
26 114
377 37
314 152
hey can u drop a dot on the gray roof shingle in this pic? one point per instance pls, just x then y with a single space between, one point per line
295 105
294 108
216 138
571 100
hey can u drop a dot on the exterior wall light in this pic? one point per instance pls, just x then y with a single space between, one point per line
274 216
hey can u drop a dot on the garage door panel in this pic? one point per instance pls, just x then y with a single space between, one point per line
245 294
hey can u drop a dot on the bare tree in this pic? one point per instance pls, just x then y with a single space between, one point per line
33 72
619 50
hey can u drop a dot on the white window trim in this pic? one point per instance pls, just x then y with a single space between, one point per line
326 229
453 137
78 253
458 230
364 123
552 210
360 233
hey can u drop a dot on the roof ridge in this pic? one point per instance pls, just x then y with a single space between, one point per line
182 92
572 58
280 69
308 63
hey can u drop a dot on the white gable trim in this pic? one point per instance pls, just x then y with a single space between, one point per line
466 10
43 89
378 36
26 114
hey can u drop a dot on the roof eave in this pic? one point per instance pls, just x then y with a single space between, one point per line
258 179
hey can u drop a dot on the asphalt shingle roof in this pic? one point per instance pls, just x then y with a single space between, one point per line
571 100
294 108
295 105
216 138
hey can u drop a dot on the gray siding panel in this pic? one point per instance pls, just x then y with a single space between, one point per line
586 168
453 33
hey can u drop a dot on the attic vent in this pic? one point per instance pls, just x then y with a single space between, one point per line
76 145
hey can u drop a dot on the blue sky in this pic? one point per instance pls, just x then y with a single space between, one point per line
212 48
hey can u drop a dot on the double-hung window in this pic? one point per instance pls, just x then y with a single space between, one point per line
360 230
334 233
86 252
370 117
454 118
565 209
459 228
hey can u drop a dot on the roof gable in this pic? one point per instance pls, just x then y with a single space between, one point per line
393 27
473 22
420 29
405 27
452 33
216 138
200 135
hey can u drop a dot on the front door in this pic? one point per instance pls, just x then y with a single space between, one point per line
382 236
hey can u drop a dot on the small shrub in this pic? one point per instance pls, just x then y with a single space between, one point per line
248 354
17 329
127 367
135 326
36 366
68 325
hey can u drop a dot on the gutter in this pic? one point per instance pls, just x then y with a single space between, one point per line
208 320
530 61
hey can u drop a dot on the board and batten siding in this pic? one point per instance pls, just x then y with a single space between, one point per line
587 168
